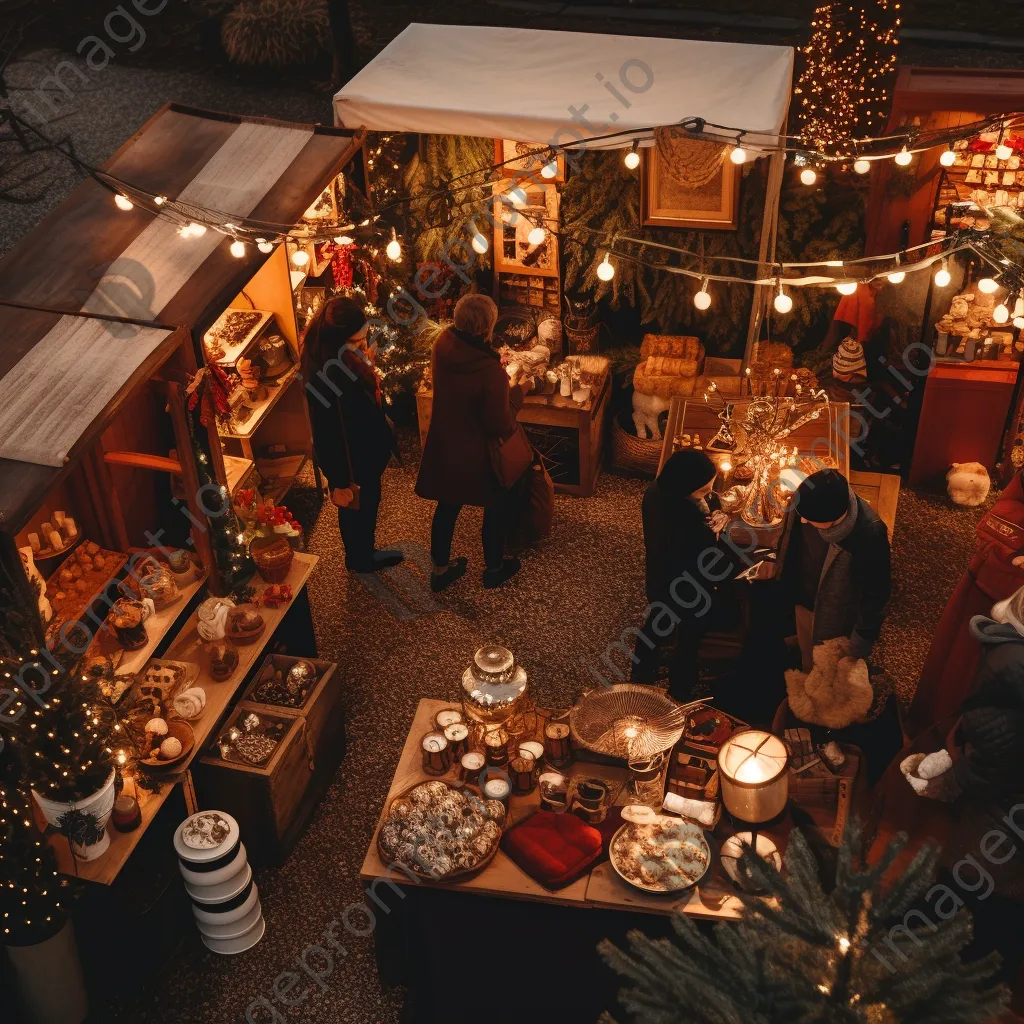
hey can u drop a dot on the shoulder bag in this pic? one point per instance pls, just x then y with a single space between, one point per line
511 457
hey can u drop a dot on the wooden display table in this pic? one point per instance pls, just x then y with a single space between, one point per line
714 899
569 436
219 696
881 491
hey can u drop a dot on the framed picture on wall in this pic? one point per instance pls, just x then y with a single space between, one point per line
524 162
688 183
514 221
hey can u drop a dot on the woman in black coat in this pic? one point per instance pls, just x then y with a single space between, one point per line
352 437
682 521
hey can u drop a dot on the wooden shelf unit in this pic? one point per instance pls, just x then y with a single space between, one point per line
275 390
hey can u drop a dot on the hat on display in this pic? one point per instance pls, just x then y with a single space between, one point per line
849 361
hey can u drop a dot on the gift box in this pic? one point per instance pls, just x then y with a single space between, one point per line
553 849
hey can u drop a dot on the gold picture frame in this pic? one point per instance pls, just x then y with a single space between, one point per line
667 202
523 165
513 252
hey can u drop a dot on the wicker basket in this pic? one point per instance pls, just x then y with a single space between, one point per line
634 454
273 557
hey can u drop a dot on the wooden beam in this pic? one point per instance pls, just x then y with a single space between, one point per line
140 460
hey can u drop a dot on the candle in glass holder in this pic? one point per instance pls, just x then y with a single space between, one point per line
521 773
557 748
497 789
446 717
496 747
436 754
470 766
126 815
457 735
553 791
534 748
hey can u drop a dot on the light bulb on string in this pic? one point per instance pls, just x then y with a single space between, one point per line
896 277
264 246
846 287
986 285
537 236
394 248
1003 151
550 169
947 158
122 202
1018 306
862 166
1000 314
738 155
479 240
702 300
192 230
605 270
808 176
343 240
237 249
300 258
159 200
942 276
903 157
518 196
783 303
632 158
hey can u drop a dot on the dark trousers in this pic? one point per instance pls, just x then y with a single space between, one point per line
682 665
358 527
443 529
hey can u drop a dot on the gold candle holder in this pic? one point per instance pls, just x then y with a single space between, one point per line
457 735
470 767
496 748
521 774
557 746
436 754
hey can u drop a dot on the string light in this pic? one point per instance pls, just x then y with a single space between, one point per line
122 202
862 166
550 169
942 276
1003 151
605 270
479 240
702 300
192 230
264 246
237 249
903 157
1000 314
537 236
738 155
632 158
300 258
947 158
517 196
394 248
846 287
986 285
159 200
808 176
783 302
344 240
896 277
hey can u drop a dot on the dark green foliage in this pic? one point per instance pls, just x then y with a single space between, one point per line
276 33
803 955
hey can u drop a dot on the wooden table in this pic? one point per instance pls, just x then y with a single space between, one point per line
568 435
881 491
219 697
715 899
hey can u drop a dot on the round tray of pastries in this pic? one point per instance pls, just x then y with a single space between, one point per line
441 833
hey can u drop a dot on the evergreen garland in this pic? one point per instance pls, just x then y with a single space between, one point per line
34 897
806 955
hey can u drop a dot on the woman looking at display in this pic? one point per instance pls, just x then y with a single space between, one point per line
352 437
682 520
475 405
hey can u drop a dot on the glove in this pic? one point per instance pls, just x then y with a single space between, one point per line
931 776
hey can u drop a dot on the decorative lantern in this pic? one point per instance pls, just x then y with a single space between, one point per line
493 686
754 779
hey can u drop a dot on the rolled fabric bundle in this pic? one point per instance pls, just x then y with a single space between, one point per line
701 811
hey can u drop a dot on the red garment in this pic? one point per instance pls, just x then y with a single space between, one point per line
858 309
990 577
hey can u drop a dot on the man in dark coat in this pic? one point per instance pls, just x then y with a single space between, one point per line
474 405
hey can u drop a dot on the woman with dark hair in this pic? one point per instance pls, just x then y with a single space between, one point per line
475 405
352 437
682 521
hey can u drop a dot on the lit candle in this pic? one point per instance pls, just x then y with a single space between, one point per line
470 767
457 735
533 748
754 781
436 754
496 747
557 748
446 717
497 789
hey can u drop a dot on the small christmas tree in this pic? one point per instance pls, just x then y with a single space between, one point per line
34 898
862 954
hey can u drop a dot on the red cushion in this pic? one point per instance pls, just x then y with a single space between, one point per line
552 849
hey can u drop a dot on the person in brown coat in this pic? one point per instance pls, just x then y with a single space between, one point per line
475 404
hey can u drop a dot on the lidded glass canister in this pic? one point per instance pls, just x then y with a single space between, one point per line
493 686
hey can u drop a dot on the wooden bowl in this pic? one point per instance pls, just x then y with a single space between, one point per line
236 634
180 730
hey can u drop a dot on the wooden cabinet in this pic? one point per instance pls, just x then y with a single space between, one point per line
963 415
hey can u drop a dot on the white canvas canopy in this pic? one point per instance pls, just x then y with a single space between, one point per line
565 88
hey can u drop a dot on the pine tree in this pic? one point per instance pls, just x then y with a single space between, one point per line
808 956
34 897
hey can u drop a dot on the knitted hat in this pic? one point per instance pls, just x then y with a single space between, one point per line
685 472
823 497
849 361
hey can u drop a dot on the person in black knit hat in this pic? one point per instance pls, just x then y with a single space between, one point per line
836 569
682 521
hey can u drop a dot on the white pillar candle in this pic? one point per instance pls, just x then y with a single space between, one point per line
58 518
532 748
497 789
71 527
446 717
33 541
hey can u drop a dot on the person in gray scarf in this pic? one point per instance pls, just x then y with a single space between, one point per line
836 568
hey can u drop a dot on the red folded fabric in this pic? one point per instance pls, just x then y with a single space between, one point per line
553 849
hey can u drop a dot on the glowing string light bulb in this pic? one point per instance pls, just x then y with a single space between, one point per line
738 155
479 240
862 166
237 249
122 202
808 176
550 169
1000 314
605 270
394 248
948 157
942 276
903 157
987 285
702 300
783 302
1003 151
300 258
632 158
846 287
537 236
343 240
896 277
264 246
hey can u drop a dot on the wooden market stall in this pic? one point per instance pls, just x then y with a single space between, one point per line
99 452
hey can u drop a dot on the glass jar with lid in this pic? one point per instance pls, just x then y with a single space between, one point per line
493 686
